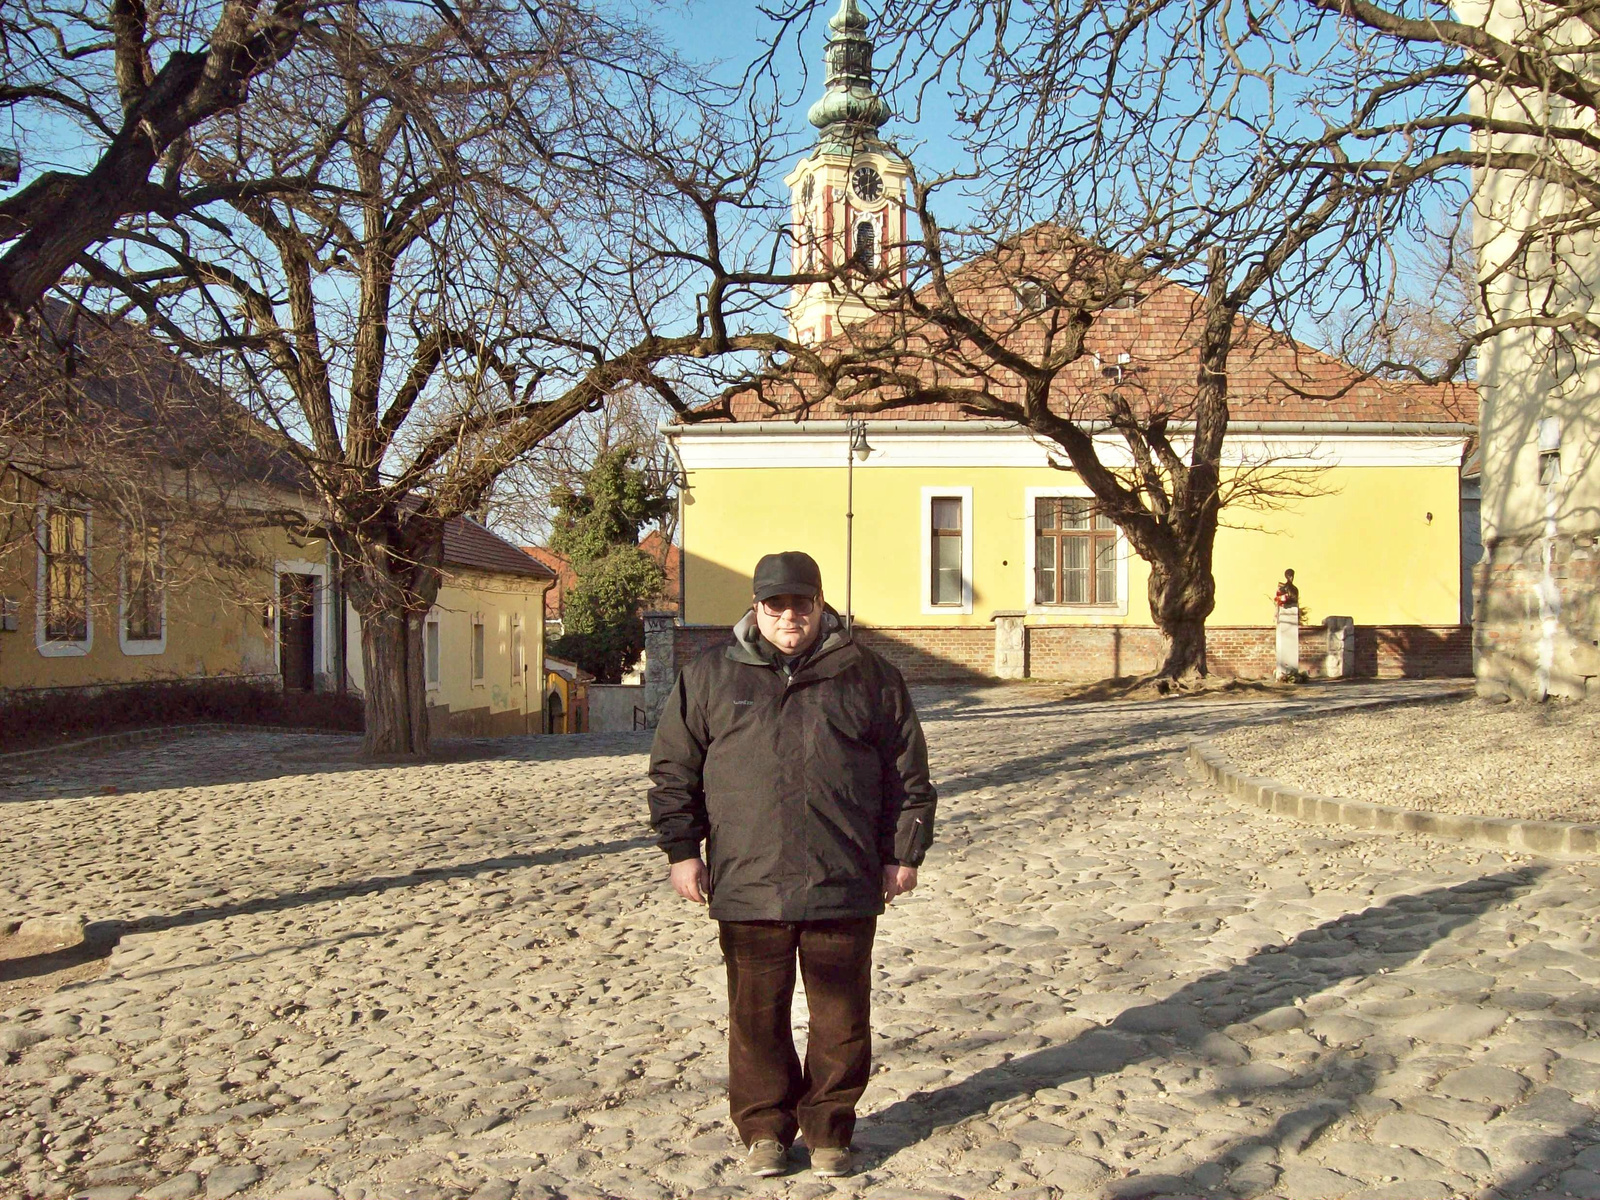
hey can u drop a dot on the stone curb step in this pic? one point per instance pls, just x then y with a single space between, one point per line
134 737
1498 833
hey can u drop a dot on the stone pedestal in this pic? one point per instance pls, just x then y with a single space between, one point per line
1010 644
1288 664
660 662
1339 662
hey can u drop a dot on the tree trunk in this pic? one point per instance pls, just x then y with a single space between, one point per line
1182 595
1186 650
396 696
393 579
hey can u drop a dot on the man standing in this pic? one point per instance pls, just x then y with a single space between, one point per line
796 756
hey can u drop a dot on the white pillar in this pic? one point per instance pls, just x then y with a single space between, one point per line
1010 644
1288 642
1339 662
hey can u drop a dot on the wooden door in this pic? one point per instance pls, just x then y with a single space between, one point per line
296 632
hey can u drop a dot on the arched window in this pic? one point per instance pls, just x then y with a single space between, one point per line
866 254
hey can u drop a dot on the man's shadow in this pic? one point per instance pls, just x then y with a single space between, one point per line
1380 938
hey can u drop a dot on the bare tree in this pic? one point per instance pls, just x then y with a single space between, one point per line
503 218
1429 323
137 80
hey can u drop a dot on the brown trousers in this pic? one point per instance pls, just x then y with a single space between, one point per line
769 1094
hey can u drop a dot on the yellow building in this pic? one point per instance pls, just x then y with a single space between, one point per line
966 537
956 521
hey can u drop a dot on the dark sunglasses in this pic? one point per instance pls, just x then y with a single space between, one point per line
803 606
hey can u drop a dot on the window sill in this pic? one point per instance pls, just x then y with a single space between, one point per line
134 647
1077 610
66 649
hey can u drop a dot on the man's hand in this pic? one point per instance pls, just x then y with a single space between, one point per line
897 881
692 881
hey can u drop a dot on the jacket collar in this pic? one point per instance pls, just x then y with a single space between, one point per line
748 646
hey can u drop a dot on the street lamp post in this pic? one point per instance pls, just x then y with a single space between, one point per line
855 429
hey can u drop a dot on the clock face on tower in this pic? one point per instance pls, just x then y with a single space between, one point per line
867 183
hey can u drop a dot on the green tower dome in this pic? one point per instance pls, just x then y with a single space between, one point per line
850 111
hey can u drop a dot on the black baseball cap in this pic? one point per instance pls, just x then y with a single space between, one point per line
792 573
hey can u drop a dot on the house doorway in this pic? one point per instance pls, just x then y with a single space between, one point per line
556 716
297 632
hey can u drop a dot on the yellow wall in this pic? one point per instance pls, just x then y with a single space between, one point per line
1362 549
214 626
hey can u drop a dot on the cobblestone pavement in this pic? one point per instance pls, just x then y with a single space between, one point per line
470 978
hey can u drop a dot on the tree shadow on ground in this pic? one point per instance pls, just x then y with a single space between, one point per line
102 936
193 761
1160 733
1380 938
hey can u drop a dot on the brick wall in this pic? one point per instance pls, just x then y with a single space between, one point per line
1091 651
923 653
954 654
1413 651
693 640
931 654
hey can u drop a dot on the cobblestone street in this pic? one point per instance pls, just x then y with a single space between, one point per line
470 978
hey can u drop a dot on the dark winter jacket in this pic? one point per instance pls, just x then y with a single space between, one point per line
803 786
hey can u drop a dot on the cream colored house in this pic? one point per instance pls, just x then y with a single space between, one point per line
1537 618
483 641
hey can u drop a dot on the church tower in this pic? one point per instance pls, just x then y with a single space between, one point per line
848 195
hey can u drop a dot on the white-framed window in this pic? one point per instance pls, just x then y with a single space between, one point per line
946 550
430 652
142 626
478 648
1077 560
63 626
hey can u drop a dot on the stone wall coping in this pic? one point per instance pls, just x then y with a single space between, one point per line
1007 612
155 733
1551 838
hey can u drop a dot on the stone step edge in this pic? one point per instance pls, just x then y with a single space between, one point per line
154 733
1497 833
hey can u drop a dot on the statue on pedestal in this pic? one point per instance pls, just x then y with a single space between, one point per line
1287 595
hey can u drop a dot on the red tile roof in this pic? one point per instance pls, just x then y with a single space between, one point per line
1272 377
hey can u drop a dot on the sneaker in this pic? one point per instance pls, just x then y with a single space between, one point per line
766 1157
832 1162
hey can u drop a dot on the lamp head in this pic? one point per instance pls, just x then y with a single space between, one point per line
858 442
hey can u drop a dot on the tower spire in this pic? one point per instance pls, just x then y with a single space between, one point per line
850 111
